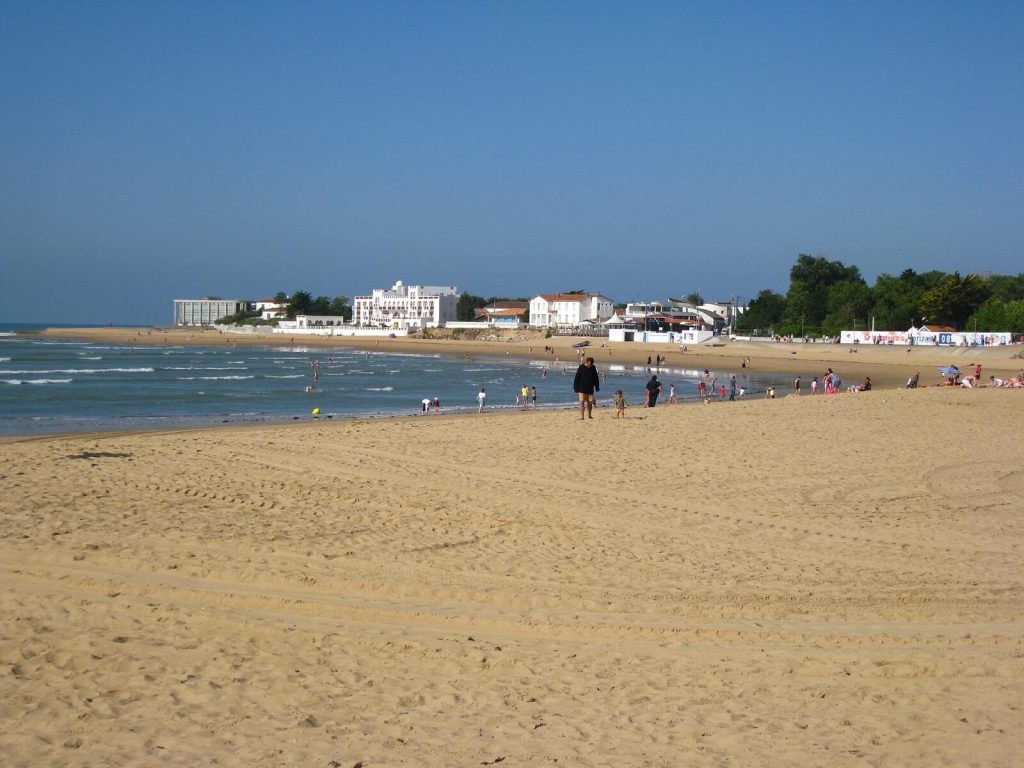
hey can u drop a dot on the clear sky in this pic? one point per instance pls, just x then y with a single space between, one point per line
160 150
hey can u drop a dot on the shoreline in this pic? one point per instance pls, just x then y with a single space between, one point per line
888 366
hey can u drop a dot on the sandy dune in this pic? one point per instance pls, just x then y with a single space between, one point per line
805 581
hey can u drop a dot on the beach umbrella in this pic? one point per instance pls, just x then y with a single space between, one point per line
949 370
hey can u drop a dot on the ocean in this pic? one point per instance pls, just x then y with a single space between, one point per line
51 386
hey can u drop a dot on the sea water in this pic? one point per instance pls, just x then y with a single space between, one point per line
49 385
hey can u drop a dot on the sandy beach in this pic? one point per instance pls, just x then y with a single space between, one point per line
805 581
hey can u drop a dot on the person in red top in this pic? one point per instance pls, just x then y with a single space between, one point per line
977 373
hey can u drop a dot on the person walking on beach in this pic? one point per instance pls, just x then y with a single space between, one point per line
585 384
533 397
672 393
796 386
620 404
653 390
481 398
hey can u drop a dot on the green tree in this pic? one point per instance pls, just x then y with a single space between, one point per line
468 304
340 307
997 315
1015 317
281 298
1006 287
897 300
764 312
849 302
695 298
321 305
298 304
810 279
954 300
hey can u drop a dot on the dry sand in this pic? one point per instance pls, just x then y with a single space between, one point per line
806 581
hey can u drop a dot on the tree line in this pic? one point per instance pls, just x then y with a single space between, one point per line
825 297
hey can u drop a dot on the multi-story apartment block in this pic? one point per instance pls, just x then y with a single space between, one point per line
205 311
406 307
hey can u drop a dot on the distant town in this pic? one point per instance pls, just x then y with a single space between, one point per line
826 301
403 309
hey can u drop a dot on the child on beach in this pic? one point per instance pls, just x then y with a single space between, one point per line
620 404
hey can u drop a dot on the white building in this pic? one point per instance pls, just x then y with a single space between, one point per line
571 309
270 309
205 311
406 307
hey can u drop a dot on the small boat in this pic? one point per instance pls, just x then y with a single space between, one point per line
581 344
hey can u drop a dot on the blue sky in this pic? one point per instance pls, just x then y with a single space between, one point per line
160 150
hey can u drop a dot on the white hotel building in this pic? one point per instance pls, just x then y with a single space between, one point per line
406 307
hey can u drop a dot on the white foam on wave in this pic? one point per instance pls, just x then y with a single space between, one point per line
85 370
289 376
35 381
379 389
214 378
5 359
198 368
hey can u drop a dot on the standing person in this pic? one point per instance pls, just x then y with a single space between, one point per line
977 373
653 390
481 398
533 397
620 404
437 406
732 389
814 385
672 393
796 386
524 393
425 404
585 384
721 393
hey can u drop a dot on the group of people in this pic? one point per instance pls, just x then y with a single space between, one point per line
525 397
1014 382
587 383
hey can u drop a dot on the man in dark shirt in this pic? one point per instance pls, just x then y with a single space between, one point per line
585 384
653 390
